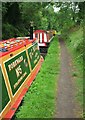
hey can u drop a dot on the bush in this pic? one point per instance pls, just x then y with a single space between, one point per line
9 31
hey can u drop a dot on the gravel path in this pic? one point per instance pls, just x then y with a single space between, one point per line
65 97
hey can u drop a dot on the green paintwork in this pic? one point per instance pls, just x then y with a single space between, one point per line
34 55
4 98
23 71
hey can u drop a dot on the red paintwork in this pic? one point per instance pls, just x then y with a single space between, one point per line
11 112
15 46
42 37
43 32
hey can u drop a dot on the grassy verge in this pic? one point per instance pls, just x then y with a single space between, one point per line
39 102
75 45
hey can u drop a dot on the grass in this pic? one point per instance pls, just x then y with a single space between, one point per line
39 101
74 42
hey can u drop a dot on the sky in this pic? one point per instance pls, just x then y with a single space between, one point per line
56 9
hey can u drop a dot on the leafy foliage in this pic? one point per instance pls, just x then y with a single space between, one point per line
75 45
19 15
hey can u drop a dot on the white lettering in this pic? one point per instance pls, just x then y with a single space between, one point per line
15 63
18 71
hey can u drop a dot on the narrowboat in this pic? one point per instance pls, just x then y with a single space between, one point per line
20 61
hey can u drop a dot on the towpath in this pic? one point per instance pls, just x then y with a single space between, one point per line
65 105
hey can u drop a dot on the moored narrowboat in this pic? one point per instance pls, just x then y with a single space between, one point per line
20 62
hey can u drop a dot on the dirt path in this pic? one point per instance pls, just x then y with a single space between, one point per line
65 97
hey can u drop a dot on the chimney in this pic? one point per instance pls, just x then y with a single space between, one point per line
31 30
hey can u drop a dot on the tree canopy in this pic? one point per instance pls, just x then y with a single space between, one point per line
16 16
